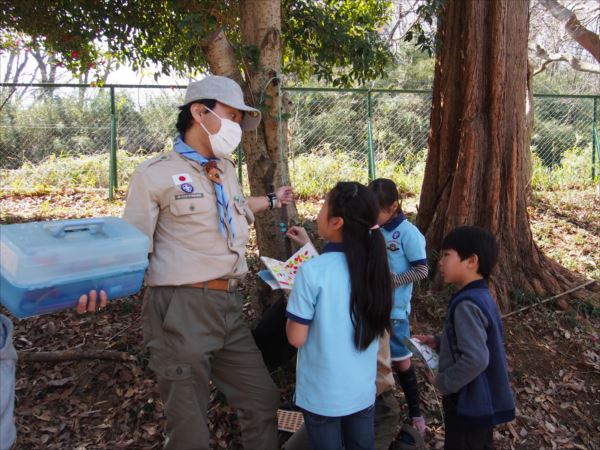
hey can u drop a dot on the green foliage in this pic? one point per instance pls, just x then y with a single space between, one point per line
68 125
423 32
574 170
60 172
312 175
336 41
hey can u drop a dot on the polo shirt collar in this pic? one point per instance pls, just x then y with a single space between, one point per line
331 247
391 224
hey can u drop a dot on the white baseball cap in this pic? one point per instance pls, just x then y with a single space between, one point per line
226 91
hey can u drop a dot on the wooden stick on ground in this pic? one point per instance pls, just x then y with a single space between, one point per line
549 299
73 355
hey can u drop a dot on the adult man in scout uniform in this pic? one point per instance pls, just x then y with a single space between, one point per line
190 204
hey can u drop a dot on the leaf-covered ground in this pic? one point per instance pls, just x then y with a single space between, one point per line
554 356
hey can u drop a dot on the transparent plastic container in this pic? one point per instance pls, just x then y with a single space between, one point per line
46 266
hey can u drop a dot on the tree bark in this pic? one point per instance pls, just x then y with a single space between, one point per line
478 161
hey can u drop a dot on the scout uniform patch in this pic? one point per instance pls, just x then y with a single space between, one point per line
181 178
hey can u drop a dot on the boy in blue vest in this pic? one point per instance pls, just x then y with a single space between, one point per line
473 375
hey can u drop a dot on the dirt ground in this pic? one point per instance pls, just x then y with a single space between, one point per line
554 355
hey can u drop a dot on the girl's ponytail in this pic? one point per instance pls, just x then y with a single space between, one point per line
371 289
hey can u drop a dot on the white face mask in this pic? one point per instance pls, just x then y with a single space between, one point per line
226 140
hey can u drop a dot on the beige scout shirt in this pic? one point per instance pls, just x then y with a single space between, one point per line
385 378
186 242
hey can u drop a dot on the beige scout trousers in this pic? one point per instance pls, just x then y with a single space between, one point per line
195 335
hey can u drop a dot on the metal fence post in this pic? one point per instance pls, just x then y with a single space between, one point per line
112 182
594 137
371 159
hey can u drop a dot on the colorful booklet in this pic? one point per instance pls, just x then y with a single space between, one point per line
281 275
424 353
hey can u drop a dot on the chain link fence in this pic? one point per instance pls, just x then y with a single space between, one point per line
86 137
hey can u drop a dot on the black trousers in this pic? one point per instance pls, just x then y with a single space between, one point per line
460 436
270 336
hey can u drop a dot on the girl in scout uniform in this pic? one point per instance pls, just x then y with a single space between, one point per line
408 262
338 309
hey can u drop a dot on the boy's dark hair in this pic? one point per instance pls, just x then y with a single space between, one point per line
366 256
471 240
386 191
184 119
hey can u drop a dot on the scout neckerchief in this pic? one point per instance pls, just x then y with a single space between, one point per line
214 174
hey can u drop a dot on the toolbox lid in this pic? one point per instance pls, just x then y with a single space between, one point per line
39 254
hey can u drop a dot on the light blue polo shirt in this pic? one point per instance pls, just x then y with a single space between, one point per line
406 248
333 378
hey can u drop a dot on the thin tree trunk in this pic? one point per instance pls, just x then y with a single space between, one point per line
9 64
265 149
478 160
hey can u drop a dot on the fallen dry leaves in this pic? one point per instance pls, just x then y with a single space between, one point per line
554 356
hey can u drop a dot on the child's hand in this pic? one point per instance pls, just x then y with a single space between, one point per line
298 235
426 339
285 196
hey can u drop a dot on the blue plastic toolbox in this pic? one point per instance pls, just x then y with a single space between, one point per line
46 266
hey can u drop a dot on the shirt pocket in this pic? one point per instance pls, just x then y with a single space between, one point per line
191 206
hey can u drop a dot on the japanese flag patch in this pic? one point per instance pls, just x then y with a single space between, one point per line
181 178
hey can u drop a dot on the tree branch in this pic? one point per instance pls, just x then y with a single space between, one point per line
575 63
584 37
220 56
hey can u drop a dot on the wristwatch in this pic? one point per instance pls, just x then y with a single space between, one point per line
272 197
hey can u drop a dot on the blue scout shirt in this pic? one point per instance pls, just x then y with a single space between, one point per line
406 248
333 378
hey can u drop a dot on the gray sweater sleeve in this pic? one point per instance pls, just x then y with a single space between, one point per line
473 358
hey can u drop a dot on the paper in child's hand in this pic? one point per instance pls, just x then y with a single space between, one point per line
281 275
268 278
423 352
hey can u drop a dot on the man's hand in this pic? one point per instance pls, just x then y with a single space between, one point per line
426 339
285 196
298 235
89 303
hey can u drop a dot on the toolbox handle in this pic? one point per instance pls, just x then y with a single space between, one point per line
94 226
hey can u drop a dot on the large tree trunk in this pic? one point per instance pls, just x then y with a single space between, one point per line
479 158
265 150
